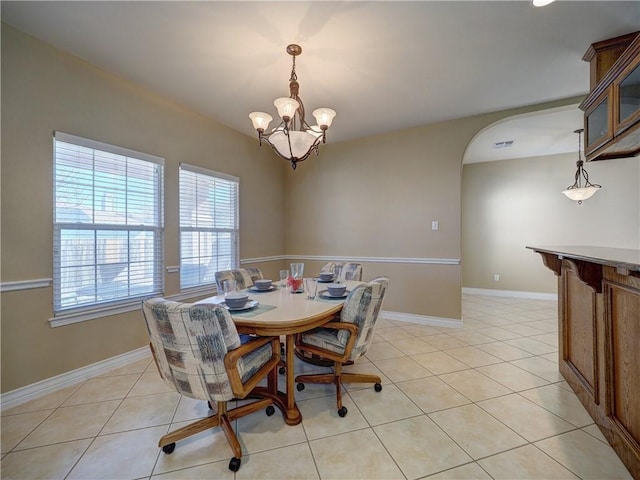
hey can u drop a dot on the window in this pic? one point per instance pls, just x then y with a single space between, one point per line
108 224
208 225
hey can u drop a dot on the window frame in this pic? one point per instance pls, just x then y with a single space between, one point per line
235 231
62 314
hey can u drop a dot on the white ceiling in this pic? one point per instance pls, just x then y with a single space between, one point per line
382 66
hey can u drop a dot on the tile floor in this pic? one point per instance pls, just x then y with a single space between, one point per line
485 401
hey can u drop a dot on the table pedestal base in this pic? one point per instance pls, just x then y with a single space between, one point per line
291 416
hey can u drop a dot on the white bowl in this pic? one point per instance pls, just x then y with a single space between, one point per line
263 284
336 289
326 276
236 299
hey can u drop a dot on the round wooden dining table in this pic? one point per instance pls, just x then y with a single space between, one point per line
281 313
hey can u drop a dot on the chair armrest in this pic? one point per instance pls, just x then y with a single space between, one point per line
350 327
231 359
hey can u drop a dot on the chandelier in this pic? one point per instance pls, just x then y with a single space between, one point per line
294 139
577 191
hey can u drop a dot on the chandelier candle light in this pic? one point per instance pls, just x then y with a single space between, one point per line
577 191
294 139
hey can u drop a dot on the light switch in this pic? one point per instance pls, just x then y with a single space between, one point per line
434 225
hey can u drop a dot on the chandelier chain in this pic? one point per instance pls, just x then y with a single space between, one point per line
294 77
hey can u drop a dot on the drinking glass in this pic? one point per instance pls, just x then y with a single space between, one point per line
228 286
311 287
284 275
295 281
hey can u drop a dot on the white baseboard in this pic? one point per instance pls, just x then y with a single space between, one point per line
510 293
44 387
422 319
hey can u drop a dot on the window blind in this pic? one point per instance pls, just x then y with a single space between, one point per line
208 225
108 224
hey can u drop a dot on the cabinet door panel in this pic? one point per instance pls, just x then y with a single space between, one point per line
579 325
623 358
628 95
598 123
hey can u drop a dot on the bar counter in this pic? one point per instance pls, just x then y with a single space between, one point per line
599 338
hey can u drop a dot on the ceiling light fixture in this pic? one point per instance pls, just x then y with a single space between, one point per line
577 192
542 3
294 139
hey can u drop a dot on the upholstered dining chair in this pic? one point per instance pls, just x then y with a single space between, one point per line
199 354
244 277
330 267
345 340
351 271
348 271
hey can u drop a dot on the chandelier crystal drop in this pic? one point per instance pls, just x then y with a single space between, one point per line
293 139
579 192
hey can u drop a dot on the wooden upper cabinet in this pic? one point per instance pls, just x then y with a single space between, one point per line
612 108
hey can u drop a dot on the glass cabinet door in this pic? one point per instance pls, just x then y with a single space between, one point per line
597 124
629 96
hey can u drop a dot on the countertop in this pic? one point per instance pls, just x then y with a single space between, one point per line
628 258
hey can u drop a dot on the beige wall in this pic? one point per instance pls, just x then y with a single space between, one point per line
510 204
377 197
44 90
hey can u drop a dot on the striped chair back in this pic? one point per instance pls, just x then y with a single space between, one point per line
189 343
362 308
244 277
351 271
330 267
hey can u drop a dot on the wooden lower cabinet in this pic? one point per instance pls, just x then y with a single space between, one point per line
599 348
621 363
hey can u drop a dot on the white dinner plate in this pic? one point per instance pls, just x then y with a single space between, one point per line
247 306
256 289
326 294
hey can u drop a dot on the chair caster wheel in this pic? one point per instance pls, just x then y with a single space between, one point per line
168 449
377 387
270 410
300 387
282 370
342 411
234 464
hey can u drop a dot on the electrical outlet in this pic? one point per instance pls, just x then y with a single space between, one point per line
434 225
496 277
